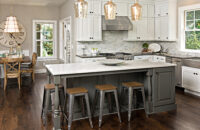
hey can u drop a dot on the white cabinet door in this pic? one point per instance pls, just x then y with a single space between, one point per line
164 9
96 7
142 29
87 25
157 28
164 33
150 29
79 29
151 11
144 10
132 34
122 9
190 78
97 30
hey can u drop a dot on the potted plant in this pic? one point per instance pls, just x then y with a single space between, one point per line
145 47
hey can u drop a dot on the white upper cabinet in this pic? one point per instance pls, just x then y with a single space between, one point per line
165 21
151 11
89 28
121 8
94 7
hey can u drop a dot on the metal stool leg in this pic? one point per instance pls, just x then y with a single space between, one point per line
71 104
62 98
47 102
117 105
88 109
82 106
144 100
43 103
130 98
109 102
94 102
102 95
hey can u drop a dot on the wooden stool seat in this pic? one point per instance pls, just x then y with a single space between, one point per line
51 86
133 84
77 90
105 87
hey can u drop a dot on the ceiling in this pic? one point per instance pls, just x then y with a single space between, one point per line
34 2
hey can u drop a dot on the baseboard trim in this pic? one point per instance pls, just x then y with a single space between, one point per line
40 71
192 92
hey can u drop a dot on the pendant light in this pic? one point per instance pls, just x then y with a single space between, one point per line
11 25
110 10
81 8
136 11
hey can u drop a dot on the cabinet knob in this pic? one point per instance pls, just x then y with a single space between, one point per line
166 13
167 38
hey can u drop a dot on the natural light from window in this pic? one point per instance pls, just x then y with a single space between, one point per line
45 39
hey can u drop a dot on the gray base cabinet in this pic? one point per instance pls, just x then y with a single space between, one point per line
163 89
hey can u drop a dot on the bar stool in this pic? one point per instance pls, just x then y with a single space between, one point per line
47 103
133 86
105 89
75 92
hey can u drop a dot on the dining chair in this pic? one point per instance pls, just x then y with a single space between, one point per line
12 70
30 68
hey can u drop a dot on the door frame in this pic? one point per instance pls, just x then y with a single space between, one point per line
61 37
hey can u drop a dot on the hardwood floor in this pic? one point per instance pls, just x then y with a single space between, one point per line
20 110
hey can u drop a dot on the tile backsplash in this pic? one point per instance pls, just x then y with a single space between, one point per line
113 41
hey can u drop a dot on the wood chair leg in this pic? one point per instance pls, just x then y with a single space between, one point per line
19 82
33 76
5 83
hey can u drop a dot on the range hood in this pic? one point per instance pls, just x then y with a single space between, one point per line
121 23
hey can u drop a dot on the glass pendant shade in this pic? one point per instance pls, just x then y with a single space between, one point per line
136 11
81 8
110 10
11 25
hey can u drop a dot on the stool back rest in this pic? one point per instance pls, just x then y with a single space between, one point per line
12 65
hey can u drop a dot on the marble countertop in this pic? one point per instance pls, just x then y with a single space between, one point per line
96 67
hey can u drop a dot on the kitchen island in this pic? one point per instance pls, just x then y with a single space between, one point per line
158 79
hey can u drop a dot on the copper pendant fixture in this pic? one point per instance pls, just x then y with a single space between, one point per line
136 11
81 8
110 10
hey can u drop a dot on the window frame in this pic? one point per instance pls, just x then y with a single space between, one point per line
182 26
54 22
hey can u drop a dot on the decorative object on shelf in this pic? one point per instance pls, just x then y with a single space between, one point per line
110 10
81 7
154 47
12 39
136 11
145 47
19 50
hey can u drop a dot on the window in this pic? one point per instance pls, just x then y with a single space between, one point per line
189 28
192 29
44 38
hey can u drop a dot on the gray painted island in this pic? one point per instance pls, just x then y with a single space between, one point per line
158 79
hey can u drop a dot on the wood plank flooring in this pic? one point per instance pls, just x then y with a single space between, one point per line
20 110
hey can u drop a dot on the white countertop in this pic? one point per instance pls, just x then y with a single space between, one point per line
95 67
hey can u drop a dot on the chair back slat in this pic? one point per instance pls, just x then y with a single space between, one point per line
12 65
34 59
